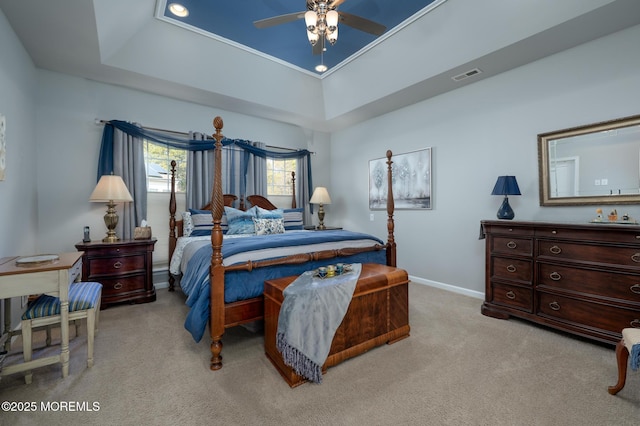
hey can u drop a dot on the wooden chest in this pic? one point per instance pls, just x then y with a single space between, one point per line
378 313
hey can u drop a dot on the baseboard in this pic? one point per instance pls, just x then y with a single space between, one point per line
161 278
448 287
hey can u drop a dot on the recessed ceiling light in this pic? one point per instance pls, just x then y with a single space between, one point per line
321 68
179 10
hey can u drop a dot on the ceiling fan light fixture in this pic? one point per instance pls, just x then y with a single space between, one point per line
310 19
179 10
332 37
321 68
313 37
332 20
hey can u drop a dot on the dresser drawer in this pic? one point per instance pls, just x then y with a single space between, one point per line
587 314
122 285
512 296
604 284
595 234
116 265
598 254
513 246
512 269
502 228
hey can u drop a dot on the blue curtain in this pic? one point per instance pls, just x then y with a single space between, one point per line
105 163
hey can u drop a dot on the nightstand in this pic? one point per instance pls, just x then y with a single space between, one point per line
124 269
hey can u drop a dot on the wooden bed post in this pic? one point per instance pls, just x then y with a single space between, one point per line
216 272
293 185
391 241
172 221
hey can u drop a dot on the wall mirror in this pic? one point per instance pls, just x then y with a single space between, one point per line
594 164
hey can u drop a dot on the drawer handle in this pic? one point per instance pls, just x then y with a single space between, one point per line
558 250
117 286
510 295
555 276
511 268
635 323
635 288
555 306
636 257
117 265
512 245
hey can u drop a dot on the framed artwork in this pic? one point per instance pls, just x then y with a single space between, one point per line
3 146
411 183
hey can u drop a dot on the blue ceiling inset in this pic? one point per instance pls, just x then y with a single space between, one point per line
233 20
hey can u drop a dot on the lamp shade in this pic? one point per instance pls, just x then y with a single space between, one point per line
110 188
320 196
506 185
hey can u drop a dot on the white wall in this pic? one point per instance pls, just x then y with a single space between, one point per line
18 194
69 142
478 132
18 225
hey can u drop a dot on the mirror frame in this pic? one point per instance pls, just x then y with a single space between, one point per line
543 165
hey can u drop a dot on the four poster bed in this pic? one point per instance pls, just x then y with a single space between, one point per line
224 282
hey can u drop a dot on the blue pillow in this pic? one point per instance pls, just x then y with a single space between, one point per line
240 222
269 214
203 222
293 219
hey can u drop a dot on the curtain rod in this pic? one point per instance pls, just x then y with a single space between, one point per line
98 122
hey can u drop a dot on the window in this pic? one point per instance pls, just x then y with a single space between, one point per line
279 176
157 161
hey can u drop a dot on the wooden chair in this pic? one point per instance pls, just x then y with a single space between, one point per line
84 302
629 344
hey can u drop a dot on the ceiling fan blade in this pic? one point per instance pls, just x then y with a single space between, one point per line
318 47
277 20
362 24
335 3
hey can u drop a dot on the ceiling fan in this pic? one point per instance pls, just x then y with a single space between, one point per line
322 19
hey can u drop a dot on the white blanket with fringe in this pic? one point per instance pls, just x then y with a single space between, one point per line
312 310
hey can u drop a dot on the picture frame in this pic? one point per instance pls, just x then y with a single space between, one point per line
412 176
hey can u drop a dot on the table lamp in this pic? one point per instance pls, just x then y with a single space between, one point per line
111 190
506 185
320 196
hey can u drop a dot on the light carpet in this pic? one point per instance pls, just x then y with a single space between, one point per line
457 368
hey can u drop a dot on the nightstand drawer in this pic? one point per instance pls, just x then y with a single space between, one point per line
122 285
116 265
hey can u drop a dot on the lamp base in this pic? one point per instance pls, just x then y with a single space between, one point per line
321 218
505 211
111 221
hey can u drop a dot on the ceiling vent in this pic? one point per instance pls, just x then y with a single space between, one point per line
466 74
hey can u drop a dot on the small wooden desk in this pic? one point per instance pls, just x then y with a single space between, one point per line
50 278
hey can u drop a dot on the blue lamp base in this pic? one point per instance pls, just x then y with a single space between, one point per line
505 211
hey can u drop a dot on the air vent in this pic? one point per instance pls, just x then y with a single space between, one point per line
466 74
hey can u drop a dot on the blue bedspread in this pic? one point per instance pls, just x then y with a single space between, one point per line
241 285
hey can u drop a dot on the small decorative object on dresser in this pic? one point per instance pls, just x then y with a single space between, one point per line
582 279
124 268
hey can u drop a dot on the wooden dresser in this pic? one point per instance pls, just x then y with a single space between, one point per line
579 278
124 268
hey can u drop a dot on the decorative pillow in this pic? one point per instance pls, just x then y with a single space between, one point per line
269 214
240 222
203 223
293 219
268 226
187 224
